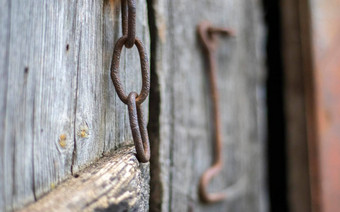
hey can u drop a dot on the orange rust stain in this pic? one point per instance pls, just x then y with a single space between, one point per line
62 141
83 134
113 3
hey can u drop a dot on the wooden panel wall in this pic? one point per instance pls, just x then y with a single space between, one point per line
59 111
58 107
182 146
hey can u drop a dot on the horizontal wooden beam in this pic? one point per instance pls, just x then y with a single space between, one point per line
117 182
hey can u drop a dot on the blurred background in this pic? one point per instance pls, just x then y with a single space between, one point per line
303 105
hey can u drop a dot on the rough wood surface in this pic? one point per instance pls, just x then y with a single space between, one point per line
115 183
182 148
58 107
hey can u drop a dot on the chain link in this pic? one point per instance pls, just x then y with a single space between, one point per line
129 21
139 131
144 67
133 100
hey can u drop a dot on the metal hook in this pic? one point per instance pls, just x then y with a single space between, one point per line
208 35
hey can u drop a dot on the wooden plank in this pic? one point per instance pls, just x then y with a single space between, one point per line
182 147
298 105
324 63
58 107
116 182
4 42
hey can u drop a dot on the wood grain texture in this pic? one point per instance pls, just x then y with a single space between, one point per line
58 107
183 149
115 183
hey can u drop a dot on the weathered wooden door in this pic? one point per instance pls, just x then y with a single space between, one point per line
65 133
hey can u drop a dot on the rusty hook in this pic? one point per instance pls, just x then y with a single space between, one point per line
208 35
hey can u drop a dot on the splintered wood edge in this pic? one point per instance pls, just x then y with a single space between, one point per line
115 183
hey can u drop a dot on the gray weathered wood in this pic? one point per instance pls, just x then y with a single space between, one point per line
61 112
184 150
58 107
115 183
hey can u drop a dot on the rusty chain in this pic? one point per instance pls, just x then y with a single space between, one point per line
128 12
133 100
208 35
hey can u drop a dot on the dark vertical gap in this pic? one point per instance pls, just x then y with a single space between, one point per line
33 166
156 191
276 148
74 153
105 80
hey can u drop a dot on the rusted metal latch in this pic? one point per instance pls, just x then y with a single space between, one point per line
133 100
208 35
